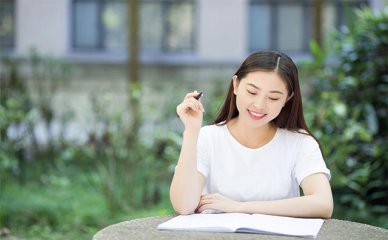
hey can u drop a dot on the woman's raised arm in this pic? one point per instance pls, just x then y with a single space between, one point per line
187 183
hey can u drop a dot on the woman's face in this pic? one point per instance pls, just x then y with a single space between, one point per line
260 96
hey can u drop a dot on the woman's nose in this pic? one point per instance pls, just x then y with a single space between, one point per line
260 102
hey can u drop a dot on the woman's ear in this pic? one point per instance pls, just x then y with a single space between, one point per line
291 96
235 84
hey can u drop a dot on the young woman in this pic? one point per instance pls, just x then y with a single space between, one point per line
258 152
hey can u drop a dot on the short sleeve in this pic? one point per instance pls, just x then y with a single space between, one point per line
203 146
309 160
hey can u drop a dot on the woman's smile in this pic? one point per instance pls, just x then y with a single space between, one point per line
256 115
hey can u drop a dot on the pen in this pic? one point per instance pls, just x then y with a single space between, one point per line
199 95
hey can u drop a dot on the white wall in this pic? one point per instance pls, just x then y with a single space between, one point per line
378 5
42 24
222 27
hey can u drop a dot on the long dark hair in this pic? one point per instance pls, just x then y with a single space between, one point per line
291 116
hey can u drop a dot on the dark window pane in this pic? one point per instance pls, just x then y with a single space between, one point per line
290 31
86 19
7 25
115 26
151 27
259 27
330 19
180 27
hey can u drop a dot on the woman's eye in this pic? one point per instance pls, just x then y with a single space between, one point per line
252 93
274 99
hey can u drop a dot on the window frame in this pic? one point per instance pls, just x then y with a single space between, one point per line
307 8
164 50
99 26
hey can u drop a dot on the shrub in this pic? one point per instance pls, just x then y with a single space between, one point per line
348 111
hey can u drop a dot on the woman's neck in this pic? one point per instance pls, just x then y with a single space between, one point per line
251 137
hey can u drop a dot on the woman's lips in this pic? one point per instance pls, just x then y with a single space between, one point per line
256 115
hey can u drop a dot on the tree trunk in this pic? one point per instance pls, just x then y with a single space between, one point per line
133 70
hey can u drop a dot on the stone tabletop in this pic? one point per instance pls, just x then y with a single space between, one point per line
145 228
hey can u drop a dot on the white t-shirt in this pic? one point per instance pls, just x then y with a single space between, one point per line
273 171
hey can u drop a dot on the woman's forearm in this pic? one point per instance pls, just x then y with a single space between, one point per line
187 183
317 201
315 206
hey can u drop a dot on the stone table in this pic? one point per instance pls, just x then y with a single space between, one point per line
145 228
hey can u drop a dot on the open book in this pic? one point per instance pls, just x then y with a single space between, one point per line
246 223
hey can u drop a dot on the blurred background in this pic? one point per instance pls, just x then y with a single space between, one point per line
88 130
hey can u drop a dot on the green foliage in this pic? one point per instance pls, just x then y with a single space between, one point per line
27 91
131 172
348 112
61 186
17 117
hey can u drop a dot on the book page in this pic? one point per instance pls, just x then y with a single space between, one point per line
225 222
241 222
307 227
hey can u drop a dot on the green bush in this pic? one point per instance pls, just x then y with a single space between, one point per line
348 112
62 185
21 110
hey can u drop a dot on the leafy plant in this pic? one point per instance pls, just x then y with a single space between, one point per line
16 119
27 91
348 112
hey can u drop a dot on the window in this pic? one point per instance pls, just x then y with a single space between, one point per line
99 25
287 25
166 26
7 25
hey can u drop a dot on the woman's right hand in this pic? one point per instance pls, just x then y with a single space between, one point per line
190 111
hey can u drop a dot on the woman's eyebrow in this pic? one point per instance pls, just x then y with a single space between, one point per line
254 86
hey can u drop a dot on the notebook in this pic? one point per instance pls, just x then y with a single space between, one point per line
245 223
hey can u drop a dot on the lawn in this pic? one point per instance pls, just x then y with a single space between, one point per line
62 208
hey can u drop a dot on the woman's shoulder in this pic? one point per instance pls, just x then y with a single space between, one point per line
299 136
213 129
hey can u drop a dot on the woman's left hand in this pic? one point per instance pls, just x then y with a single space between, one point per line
217 202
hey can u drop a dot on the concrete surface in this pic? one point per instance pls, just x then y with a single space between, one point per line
145 228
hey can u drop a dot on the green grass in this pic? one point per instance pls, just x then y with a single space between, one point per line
62 209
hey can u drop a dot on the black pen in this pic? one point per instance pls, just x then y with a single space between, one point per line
199 95
196 97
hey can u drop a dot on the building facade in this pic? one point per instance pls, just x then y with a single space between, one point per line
185 31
